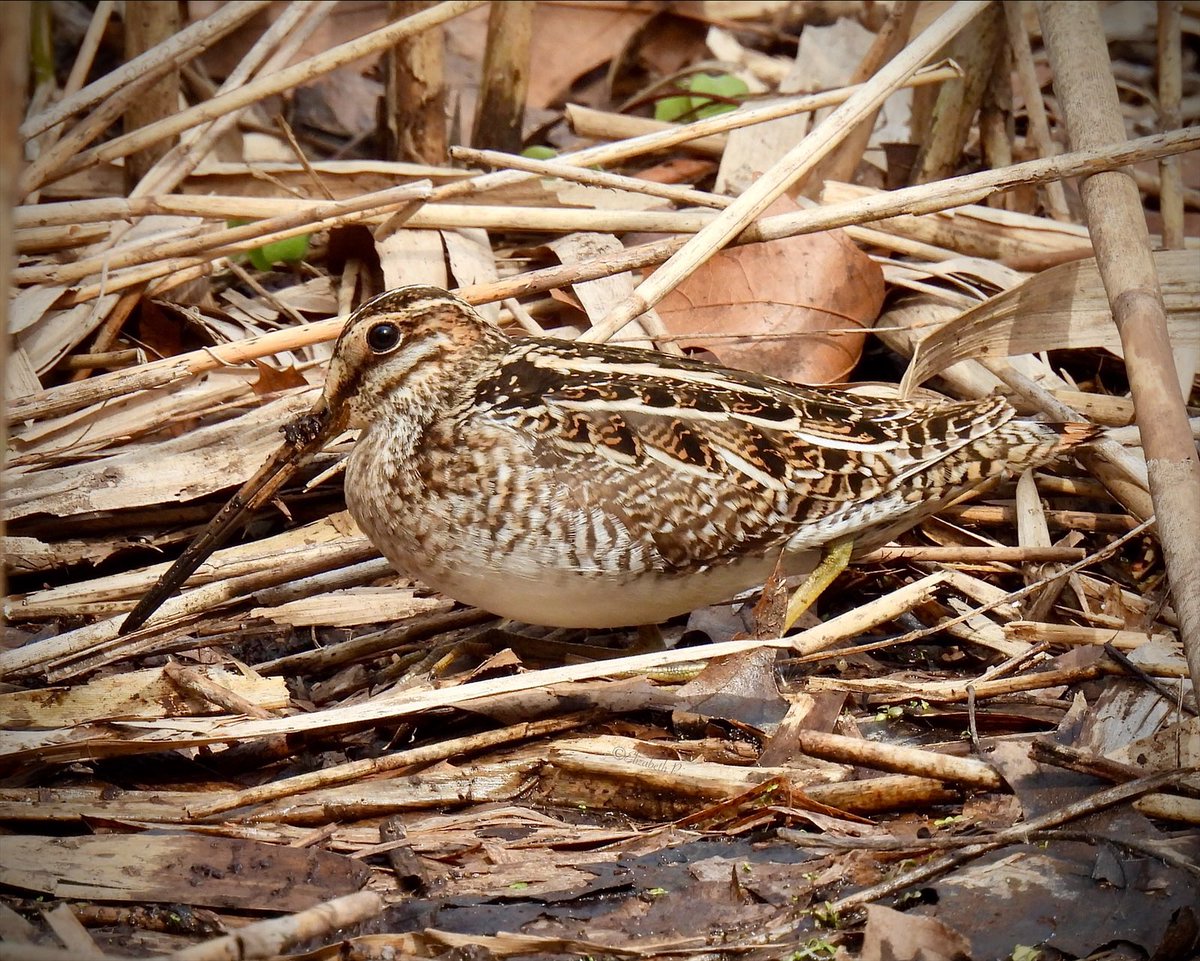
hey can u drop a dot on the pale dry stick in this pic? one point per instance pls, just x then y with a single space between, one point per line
113 593
585 175
927 198
102 636
233 238
284 37
180 270
1088 97
999 602
223 207
45 240
443 217
973 555
888 691
1060 519
265 86
341 566
87 49
793 166
1018 834
384 709
106 360
43 170
268 939
1035 108
899 759
677 194
357 770
1075 636
524 317
1170 92
153 63
191 681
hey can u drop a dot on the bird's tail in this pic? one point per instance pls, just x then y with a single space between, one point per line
1021 444
1074 434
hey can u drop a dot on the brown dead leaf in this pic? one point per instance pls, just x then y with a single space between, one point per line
678 170
572 41
185 869
892 935
272 381
789 308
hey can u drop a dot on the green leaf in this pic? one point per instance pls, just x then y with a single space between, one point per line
723 85
539 152
687 108
670 109
289 251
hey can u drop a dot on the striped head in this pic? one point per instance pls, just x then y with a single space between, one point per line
405 349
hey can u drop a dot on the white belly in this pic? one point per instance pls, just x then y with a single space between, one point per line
562 599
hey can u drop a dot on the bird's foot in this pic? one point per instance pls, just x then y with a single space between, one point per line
834 559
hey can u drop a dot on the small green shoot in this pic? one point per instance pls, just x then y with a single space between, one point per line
289 251
697 106
825 915
814 949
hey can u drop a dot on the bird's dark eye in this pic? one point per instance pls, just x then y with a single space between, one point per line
383 337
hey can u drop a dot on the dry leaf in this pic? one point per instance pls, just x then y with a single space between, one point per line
1063 307
790 308
272 381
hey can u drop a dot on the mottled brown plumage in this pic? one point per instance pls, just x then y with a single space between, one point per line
588 485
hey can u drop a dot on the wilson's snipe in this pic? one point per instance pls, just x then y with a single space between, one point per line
580 485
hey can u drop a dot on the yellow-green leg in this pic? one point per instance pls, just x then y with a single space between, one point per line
834 559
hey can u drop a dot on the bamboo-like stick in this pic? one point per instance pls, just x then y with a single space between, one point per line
185 44
974 555
791 167
1088 97
1075 636
357 770
899 759
923 199
267 939
231 238
1014 835
705 135
272 51
266 86
86 55
1170 92
1035 108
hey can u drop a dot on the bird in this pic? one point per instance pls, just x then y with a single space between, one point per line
571 484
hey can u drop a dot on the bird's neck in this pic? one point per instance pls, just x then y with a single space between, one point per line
406 409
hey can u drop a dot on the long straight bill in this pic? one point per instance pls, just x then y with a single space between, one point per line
305 437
